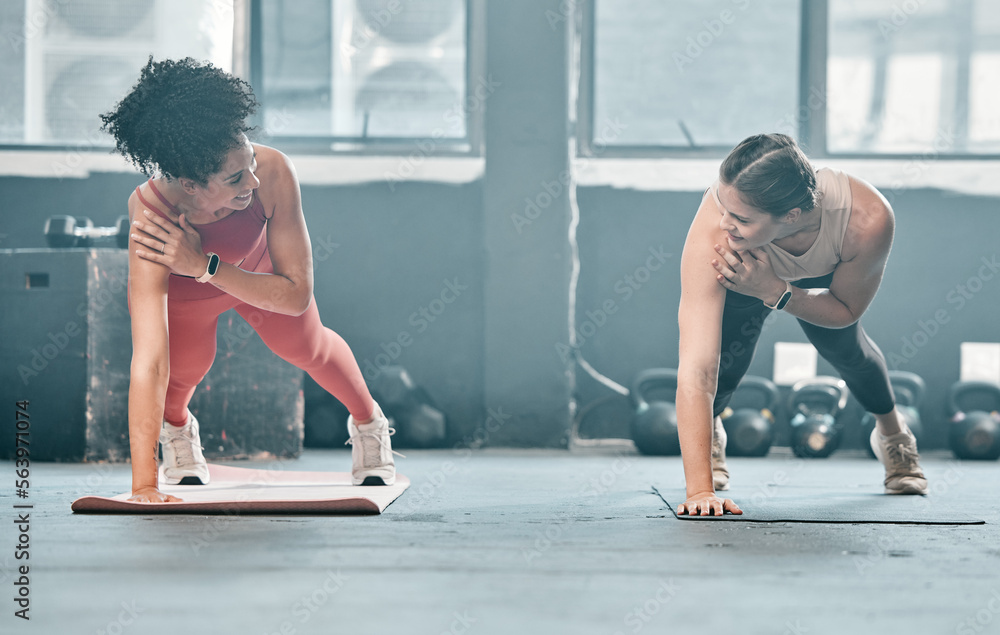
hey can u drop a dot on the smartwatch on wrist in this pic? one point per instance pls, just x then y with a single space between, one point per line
213 266
783 300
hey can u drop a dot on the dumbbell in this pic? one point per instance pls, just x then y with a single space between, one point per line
909 389
64 232
751 430
976 434
421 423
816 433
654 422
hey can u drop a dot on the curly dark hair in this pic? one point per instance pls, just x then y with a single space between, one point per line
182 118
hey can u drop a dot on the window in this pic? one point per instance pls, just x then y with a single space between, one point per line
63 63
849 77
914 76
344 74
693 73
368 75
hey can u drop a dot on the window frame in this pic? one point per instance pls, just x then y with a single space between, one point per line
469 146
811 132
250 47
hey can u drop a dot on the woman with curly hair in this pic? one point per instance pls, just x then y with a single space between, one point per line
218 226
771 219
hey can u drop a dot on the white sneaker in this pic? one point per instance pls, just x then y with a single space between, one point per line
720 472
183 462
371 451
898 453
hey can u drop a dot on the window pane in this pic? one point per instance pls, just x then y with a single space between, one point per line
914 76
695 72
364 69
64 63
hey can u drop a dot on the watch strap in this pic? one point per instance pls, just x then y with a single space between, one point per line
213 267
783 300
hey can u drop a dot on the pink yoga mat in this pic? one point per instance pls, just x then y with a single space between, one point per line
239 490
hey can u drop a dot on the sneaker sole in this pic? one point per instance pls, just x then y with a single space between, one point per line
374 481
184 480
908 490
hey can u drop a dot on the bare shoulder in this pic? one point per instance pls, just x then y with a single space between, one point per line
151 202
278 182
705 233
872 223
698 277
133 204
272 162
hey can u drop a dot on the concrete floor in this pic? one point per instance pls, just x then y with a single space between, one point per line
512 542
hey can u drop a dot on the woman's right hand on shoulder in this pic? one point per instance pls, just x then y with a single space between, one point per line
707 504
152 495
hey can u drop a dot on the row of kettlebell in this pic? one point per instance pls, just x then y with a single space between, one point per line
815 406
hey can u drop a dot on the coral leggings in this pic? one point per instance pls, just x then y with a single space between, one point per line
300 340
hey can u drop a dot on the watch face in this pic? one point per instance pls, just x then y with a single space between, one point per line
213 264
785 297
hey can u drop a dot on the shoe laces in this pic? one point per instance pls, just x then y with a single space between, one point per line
183 446
372 442
902 457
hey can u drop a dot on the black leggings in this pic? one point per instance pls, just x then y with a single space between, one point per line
850 350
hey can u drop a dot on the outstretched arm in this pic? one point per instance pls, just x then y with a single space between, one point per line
700 322
150 368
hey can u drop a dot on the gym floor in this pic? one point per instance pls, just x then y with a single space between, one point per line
513 541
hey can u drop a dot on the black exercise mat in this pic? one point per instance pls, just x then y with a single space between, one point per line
829 506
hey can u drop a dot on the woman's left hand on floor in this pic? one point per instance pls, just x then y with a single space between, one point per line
748 272
174 245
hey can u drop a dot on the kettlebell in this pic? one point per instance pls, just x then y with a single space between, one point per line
751 430
816 433
654 423
909 389
975 435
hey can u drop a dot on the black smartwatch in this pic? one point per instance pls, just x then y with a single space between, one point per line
213 266
783 300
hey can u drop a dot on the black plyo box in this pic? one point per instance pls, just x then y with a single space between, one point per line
67 347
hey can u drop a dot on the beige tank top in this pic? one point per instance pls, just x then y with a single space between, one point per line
824 254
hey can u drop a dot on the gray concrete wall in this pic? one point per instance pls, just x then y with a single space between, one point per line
383 256
527 253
